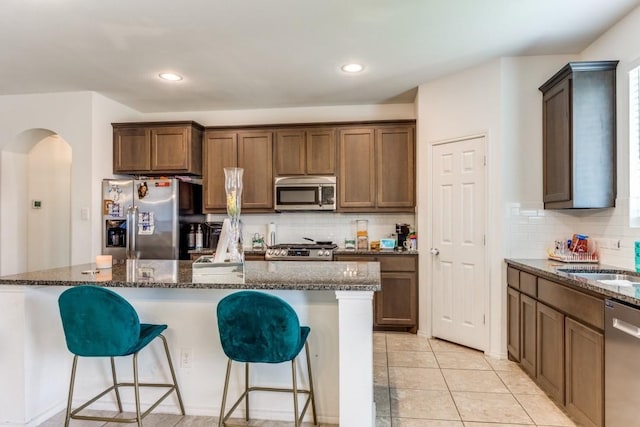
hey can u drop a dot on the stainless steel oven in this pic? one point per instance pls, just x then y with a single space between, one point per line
305 193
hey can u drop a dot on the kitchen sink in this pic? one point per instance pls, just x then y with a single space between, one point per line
608 278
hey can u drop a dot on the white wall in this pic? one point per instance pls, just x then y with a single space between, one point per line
48 227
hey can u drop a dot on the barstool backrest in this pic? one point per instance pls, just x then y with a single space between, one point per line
98 322
259 328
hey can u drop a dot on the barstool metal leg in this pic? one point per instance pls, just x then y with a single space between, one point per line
224 394
173 373
295 392
115 384
246 390
311 393
70 398
136 389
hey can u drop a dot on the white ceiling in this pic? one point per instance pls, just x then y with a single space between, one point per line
240 54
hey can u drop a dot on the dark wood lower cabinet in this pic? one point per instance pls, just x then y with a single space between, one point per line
395 307
561 341
550 351
584 367
513 324
528 328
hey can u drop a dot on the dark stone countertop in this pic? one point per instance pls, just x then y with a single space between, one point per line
281 275
559 272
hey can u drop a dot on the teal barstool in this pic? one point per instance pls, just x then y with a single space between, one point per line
98 322
256 327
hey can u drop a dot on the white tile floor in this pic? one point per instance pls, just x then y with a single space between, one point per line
420 382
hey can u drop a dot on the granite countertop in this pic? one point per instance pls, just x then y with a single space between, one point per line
343 251
293 275
559 272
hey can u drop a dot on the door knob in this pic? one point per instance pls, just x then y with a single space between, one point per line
435 251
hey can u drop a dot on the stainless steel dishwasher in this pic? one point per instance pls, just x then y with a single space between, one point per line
622 364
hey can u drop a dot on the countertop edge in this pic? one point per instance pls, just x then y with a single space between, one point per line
548 269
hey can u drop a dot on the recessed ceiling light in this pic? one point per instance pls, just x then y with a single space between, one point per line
352 68
172 77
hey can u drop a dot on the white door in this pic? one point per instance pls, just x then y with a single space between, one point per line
458 241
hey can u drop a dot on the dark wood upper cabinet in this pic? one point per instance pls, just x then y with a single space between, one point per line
157 148
579 136
377 169
305 152
250 150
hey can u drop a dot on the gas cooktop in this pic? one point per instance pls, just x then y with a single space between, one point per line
300 252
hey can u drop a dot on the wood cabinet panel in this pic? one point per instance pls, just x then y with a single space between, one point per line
396 305
557 165
220 151
528 335
513 277
528 284
574 303
550 351
305 152
397 262
357 168
290 152
321 152
395 167
513 324
579 136
154 148
131 150
584 365
255 155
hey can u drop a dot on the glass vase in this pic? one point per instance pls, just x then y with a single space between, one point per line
233 188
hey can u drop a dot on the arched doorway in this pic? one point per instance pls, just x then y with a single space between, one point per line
36 183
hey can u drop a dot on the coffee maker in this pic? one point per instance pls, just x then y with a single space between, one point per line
402 231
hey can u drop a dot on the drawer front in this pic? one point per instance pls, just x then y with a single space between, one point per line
528 284
583 307
397 262
513 277
356 258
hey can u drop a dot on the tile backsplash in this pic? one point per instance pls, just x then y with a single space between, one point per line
532 230
291 227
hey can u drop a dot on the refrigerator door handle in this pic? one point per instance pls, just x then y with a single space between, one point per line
132 216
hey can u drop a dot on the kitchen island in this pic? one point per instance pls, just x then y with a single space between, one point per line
334 298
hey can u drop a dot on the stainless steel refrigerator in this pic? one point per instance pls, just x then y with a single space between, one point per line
140 218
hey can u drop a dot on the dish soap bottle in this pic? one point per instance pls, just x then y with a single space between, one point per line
199 237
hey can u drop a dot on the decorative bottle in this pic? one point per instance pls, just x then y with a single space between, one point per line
233 188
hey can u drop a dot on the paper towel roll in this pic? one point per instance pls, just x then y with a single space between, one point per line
271 234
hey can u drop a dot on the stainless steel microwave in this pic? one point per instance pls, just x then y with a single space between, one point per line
305 193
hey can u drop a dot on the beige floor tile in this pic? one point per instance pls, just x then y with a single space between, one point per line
462 360
191 421
474 424
409 422
380 358
404 338
426 404
379 342
490 407
415 359
442 345
472 380
416 378
502 364
408 344
381 397
380 376
543 411
519 383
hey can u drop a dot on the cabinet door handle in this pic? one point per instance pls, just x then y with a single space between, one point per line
435 251
627 328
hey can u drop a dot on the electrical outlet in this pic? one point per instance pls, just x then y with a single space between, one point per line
186 358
